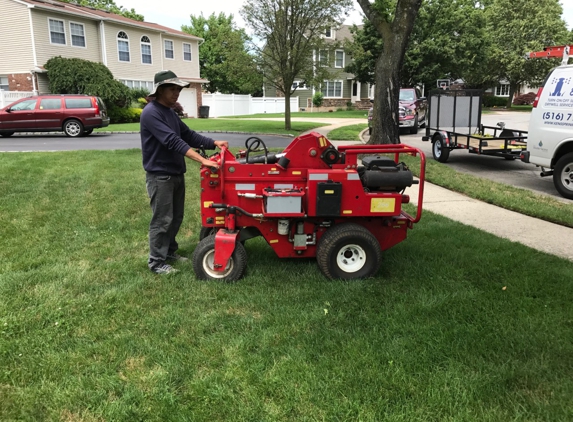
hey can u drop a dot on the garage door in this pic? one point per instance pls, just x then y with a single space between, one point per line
188 100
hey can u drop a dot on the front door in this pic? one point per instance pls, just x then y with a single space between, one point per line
355 91
20 117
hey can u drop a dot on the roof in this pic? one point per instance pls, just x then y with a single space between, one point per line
102 15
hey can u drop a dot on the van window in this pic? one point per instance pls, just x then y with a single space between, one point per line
50 104
78 102
24 105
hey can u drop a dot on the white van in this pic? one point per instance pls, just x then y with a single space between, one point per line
550 134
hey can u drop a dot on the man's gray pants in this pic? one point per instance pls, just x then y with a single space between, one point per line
167 200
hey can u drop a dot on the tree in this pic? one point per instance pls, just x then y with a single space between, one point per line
78 76
291 35
394 25
521 26
223 57
110 6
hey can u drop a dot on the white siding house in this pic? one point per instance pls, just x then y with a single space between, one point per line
33 31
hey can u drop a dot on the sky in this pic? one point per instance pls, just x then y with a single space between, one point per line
174 13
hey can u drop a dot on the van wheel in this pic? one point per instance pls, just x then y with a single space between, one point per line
6 134
414 129
440 151
563 176
73 128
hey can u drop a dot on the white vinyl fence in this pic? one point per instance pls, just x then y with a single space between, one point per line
238 105
8 97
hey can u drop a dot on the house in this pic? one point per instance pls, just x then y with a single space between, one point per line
33 31
343 88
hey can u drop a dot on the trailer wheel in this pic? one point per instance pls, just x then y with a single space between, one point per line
563 176
348 251
203 258
440 151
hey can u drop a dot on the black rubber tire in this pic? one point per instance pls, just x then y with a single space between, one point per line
203 262
73 128
348 251
206 232
563 176
414 129
88 132
440 151
6 134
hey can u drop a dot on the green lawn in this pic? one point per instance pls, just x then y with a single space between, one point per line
458 325
337 114
347 133
227 125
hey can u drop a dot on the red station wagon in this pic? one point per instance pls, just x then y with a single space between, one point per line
75 115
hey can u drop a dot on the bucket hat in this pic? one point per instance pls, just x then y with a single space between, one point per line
166 77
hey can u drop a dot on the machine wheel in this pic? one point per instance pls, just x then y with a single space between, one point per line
6 134
348 251
73 128
88 132
204 255
440 151
414 129
206 232
563 176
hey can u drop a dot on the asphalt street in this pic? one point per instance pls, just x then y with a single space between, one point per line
106 141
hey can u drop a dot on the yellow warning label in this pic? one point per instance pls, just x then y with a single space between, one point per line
273 241
214 176
328 192
347 212
322 141
382 204
296 173
207 204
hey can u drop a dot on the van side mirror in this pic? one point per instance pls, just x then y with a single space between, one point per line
8 110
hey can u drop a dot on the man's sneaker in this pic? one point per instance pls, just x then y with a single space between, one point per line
163 269
176 257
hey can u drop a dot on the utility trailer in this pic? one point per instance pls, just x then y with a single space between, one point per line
454 122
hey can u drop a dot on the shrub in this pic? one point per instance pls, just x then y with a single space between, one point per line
317 99
493 101
136 93
524 99
124 115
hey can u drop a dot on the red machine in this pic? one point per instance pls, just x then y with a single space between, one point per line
311 200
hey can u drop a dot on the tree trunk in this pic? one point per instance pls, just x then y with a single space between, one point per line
287 110
511 93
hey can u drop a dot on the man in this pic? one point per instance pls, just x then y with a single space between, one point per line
165 142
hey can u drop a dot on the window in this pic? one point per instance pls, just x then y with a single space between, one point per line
328 33
57 32
339 58
502 90
187 52
24 105
78 35
78 102
323 57
168 49
299 85
332 89
123 46
4 83
138 84
50 104
145 50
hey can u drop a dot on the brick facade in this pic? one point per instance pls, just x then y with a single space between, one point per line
20 82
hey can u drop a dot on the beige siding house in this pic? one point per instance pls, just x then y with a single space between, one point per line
33 31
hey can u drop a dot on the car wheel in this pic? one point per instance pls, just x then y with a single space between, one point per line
204 257
348 251
563 176
6 134
440 151
88 132
73 128
414 129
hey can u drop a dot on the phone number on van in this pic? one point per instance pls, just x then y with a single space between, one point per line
561 117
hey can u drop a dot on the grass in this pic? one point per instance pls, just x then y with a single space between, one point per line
454 327
516 199
337 114
347 133
226 125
